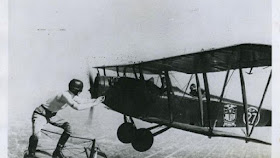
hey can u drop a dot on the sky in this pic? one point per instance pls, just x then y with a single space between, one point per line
51 42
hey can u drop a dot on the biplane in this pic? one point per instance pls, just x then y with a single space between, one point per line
132 94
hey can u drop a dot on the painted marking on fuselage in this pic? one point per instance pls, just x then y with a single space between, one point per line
230 113
252 116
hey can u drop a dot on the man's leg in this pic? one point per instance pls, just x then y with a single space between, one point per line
38 122
59 122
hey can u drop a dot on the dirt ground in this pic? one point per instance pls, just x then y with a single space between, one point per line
171 144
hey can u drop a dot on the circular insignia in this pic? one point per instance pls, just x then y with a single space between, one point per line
252 116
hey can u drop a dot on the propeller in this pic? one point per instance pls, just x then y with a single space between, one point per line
93 92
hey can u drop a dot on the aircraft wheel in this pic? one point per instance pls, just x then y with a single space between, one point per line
143 140
126 132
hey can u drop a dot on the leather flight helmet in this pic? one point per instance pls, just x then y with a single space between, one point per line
76 86
193 87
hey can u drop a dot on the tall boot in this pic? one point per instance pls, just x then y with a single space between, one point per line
58 151
33 142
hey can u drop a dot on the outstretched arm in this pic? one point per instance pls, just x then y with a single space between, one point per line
81 106
88 101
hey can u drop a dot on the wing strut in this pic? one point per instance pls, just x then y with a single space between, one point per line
221 97
118 74
134 71
200 99
141 72
168 84
224 86
104 71
244 97
124 72
187 86
205 79
261 103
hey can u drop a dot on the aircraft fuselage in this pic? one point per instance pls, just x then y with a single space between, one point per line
140 99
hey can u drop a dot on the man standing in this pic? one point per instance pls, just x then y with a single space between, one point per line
46 113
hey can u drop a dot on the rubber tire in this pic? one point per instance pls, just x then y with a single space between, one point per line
126 132
143 141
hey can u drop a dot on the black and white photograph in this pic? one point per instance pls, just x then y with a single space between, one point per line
140 79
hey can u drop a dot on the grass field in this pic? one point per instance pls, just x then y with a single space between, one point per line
171 144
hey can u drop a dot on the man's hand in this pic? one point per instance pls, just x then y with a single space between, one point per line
101 99
98 100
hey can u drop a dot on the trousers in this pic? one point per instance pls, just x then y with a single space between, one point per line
42 116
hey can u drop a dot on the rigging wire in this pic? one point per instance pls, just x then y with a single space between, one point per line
230 77
175 79
186 89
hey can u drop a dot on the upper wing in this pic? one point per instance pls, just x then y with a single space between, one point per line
222 59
